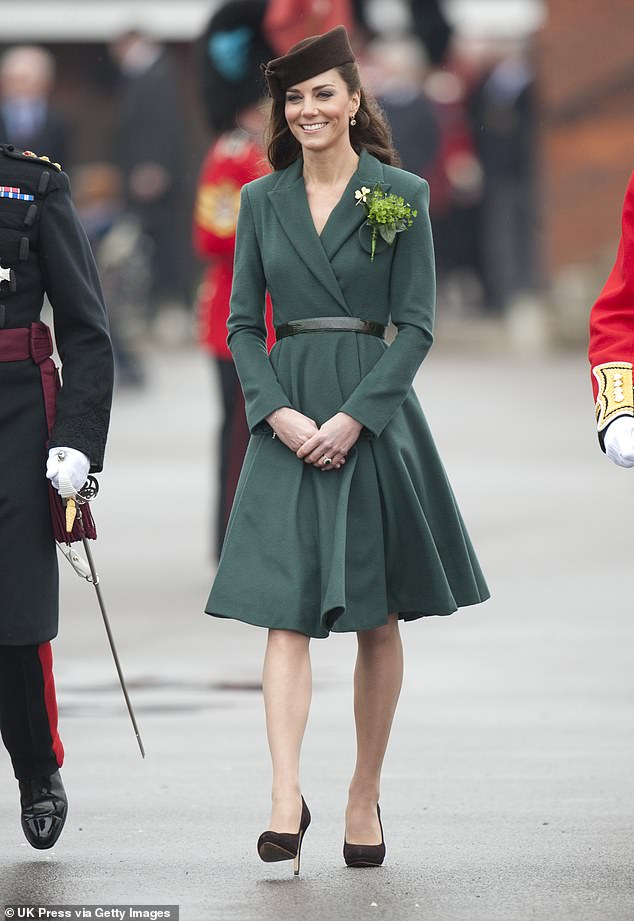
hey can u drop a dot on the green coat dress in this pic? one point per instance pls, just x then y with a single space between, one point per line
313 551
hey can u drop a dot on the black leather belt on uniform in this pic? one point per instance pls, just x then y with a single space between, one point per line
330 324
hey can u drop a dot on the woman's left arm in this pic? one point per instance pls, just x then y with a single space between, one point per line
412 304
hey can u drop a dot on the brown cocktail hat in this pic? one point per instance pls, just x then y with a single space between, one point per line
311 56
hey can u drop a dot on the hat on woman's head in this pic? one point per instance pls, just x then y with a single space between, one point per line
307 58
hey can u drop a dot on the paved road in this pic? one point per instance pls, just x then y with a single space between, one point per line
508 786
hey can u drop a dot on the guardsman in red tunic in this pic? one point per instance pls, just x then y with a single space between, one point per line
233 88
612 347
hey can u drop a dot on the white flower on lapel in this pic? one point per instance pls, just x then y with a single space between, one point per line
362 194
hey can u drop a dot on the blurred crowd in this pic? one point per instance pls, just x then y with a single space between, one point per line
180 129
462 111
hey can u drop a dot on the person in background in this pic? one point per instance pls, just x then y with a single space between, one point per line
456 184
148 151
611 350
289 21
27 118
399 70
432 27
122 253
233 90
504 124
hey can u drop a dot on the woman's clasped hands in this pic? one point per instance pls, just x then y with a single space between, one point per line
326 446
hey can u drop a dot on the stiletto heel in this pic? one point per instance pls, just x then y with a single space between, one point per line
297 857
274 846
365 855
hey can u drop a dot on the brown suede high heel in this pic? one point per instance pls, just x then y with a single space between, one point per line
365 855
273 845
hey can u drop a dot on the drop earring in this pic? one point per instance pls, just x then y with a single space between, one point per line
353 120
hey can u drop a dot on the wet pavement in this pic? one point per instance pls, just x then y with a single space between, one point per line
507 791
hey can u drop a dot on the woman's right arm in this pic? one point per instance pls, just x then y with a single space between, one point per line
263 393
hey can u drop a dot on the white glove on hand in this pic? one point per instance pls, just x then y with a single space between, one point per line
74 469
619 441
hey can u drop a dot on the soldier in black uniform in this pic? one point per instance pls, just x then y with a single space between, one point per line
43 249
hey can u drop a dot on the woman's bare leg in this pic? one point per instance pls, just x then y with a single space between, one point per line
378 677
287 686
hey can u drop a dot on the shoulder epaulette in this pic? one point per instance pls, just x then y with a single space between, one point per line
18 154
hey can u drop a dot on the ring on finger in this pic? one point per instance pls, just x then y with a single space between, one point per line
326 461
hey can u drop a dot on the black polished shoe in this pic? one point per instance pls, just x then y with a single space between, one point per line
273 845
44 808
365 855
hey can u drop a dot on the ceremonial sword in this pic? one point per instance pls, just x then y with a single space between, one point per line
87 570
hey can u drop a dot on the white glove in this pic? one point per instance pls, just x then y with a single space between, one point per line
619 441
67 469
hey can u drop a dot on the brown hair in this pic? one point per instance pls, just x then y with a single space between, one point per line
371 132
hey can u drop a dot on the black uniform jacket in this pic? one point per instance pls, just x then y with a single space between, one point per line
43 250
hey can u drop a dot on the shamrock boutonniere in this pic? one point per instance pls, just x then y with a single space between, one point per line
387 215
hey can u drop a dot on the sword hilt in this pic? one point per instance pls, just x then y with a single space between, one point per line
71 514
72 497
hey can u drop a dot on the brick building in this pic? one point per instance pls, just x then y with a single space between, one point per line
587 99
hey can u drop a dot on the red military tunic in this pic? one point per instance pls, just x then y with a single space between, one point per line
233 160
289 21
611 350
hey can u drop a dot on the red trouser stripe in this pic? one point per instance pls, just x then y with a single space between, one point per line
50 699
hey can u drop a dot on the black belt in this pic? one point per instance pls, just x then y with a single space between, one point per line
330 324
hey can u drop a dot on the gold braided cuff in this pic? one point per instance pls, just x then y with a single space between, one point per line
616 392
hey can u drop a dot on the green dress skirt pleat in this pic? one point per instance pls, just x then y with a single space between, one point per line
317 551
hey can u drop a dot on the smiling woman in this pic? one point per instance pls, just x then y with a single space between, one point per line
344 519
333 92
322 110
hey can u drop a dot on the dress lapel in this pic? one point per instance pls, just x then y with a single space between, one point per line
290 204
348 217
288 200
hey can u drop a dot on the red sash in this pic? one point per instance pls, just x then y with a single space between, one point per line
34 342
